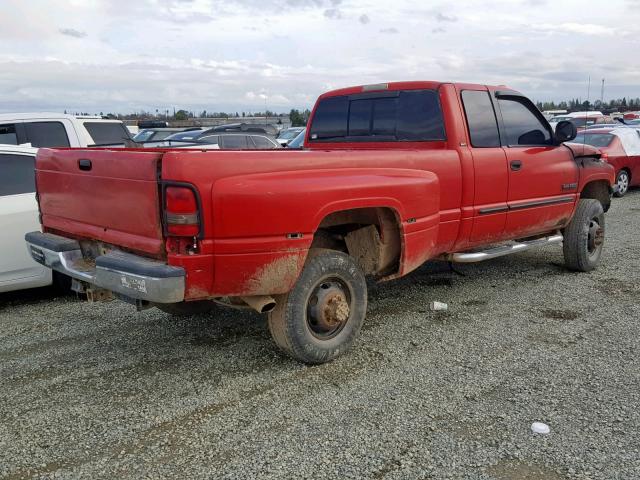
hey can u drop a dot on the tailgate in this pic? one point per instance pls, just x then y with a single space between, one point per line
106 195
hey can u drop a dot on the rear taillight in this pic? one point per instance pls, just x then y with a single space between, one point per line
181 211
604 157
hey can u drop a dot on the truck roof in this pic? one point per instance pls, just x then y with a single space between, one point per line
406 85
7 117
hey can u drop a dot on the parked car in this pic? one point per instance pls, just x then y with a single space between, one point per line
239 141
157 134
621 148
59 130
19 215
392 175
288 134
297 142
245 127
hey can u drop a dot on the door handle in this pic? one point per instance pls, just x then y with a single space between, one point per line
516 165
84 164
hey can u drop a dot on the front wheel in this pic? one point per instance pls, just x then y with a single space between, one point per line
321 316
622 181
584 236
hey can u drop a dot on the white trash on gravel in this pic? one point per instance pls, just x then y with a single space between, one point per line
438 306
539 427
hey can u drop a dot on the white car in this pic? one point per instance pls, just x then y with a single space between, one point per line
60 130
18 215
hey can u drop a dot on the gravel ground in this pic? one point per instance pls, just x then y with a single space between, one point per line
101 391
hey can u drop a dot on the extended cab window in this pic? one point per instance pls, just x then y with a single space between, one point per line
522 125
46 134
481 119
411 115
17 174
107 133
8 134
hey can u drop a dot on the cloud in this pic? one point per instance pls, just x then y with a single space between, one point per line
441 17
364 19
390 31
580 28
333 13
72 32
438 30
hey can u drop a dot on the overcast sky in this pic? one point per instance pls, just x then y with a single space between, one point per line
124 56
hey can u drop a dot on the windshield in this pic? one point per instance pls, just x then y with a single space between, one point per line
190 135
594 139
560 119
143 136
298 141
288 134
107 133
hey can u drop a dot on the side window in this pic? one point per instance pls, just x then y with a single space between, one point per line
208 139
8 134
262 142
107 133
522 125
235 142
481 119
46 134
17 174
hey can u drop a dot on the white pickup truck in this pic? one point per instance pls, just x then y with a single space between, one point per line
60 130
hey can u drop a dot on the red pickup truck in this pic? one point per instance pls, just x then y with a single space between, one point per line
392 175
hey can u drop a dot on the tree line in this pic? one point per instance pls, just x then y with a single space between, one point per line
618 104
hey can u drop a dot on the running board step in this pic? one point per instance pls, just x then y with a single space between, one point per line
502 250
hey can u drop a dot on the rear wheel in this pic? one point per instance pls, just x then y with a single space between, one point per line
584 236
622 181
187 308
321 316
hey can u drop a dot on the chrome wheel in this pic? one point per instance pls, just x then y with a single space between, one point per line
622 182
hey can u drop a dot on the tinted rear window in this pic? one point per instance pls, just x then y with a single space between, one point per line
107 133
46 134
411 115
17 174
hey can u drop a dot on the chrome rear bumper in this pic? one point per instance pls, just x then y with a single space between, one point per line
123 273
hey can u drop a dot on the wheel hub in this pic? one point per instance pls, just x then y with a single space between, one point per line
596 235
328 308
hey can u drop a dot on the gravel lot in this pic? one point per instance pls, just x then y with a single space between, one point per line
101 391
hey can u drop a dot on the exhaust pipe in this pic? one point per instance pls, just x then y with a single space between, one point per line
260 303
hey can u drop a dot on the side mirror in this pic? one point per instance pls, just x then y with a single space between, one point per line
565 131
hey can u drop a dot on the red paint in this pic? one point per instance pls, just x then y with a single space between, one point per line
251 200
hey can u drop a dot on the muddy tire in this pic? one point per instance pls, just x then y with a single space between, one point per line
184 309
584 236
622 181
319 319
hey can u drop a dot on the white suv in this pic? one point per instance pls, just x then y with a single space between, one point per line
59 130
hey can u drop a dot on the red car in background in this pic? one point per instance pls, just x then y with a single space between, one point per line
621 148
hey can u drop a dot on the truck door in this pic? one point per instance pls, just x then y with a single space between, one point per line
491 175
543 176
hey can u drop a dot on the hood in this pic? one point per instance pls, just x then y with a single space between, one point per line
583 150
